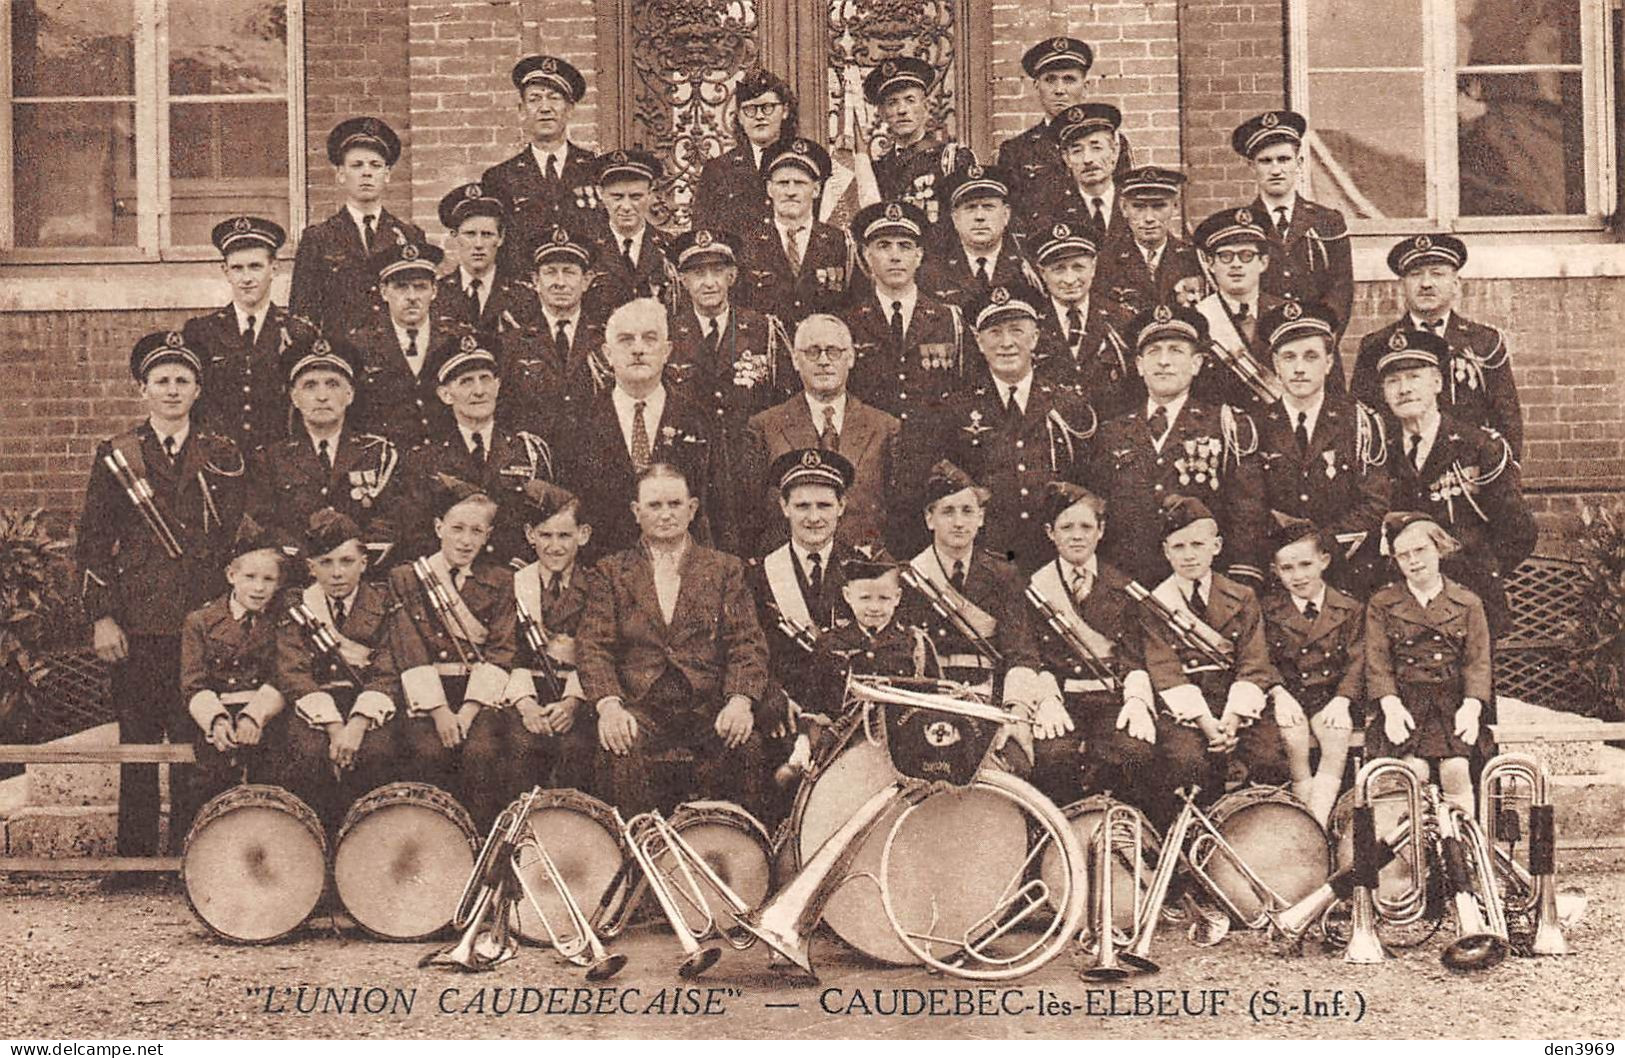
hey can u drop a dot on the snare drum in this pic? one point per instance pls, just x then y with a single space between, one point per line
1394 883
403 856
255 863
1085 817
579 833
956 851
732 842
1278 838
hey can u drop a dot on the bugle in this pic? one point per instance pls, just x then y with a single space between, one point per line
326 643
1072 636
141 496
1119 824
1182 628
1256 377
581 946
536 640
801 635
948 609
440 602
1481 940
485 908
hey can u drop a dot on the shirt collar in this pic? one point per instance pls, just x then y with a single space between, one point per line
237 608
1206 584
557 154
1061 310
636 237
465 277
357 216
1234 306
1423 600
423 335
805 224
1429 431
1290 203
909 300
259 317
1319 599
1024 390
348 601
816 407
1417 324
653 404
1313 410
485 435
992 258
1174 407
802 554
545 579
180 435
673 557
1068 571
721 318
553 321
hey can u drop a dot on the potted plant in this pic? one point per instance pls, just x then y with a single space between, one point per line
1597 637
33 611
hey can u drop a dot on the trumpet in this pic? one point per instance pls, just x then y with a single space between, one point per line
581 947
648 837
1072 636
1119 824
945 605
801 635
536 640
1213 648
1209 844
321 637
140 493
1259 379
1207 927
1530 893
440 602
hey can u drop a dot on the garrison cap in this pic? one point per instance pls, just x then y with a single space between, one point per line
694 248
1168 321
812 466
1288 529
1005 303
562 245
162 347
1418 250
471 200
629 165
1396 522
471 351
945 479
1149 181
1292 319
866 562
330 354
1055 53
1408 348
449 491
405 258
541 500
1080 119
1272 126
1064 242
241 233
1240 225
251 537
978 181
372 133
327 530
550 72
1180 511
889 218
1062 496
802 153
903 72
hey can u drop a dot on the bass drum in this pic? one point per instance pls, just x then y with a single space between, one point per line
254 864
948 865
1278 838
404 854
579 833
1395 881
734 844
1084 817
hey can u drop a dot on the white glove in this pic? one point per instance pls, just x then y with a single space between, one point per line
1397 723
1467 720
1288 713
1050 719
1335 716
1186 702
1136 717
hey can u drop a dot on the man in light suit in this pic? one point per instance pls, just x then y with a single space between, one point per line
671 652
823 415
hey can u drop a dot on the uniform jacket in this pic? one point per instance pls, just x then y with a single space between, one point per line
245 395
1039 179
593 462
778 583
713 641
918 173
220 659
320 691
1447 641
1470 485
930 365
424 650
1107 609
510 307
1232 611
1121 274
1013 459
1099 365
1210 453
537 205
512 459
1321 659
1341 483
390 400
335 286
767 284
1313 260
899 649
368 481
618 281
125 572
542 384
869 441
1479 387
949 275
1064 202
1218 381
731 194
748 372
994 585
558 612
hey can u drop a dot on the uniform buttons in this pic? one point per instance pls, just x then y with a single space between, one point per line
324 490
1022 467
245 389
248 407
1023 491
1024 514
869 654
1438 657
1157 487
443 655
1021 444
1303 497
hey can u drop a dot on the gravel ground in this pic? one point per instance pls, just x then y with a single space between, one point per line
78 963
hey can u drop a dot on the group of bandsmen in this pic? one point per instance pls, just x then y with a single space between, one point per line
599 504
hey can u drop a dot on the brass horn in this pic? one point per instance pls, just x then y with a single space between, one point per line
1531 893
1481 940
1115 819
581 946
1412 903
485 909
645 834
1293 923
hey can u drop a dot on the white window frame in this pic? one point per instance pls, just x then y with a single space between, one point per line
1564 245
153 187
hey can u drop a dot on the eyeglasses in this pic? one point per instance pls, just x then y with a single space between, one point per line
759 110
1244 256
818 353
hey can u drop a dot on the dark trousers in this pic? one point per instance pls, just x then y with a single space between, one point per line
146 693
307 769
674 723
217 772
1095 757
1182 760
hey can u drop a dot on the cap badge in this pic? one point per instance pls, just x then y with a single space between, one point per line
174 340
1397 342
888 69
468 344
894 211
1423 243
1061 231
1244 216
560 236
999 296
409 252
702 238
370 128
1163 314
472 191
800 146
241 224
810 458
975 172
321 347
550 65
619 157
1291 310
1060 44
1270 120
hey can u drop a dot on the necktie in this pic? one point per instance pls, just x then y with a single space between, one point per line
410 349
640 437
368 230
897 327
337 608
1243 311
1080 585
982 275
248 622
1310 610
1150 260
552 169
1281 219
561 339
1157 423
1415 451
474 286
815 575
792 248
248 333
626 252
713 336
957 577
1198 604
458 577
1302 431
1012 406
829 438
1433 326
1097 209
169 447
477 449
324 452
555 586
1074 329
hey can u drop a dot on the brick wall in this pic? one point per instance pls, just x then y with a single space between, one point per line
1136 66
1232 66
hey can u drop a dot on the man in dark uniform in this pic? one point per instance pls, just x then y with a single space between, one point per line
1175 443
730 194
160 515
635 422
1154 266
335 281
1099 664
1237 369
918 164
326 462
556 358
1462 475
981 252
1080 338
1479 387
797 265
1323 454
476 294
241 345
909 346
396 395
634 256
1014 433
552 181
1310 256
1084 194
501 462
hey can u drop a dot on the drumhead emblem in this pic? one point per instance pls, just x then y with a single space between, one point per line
941 733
